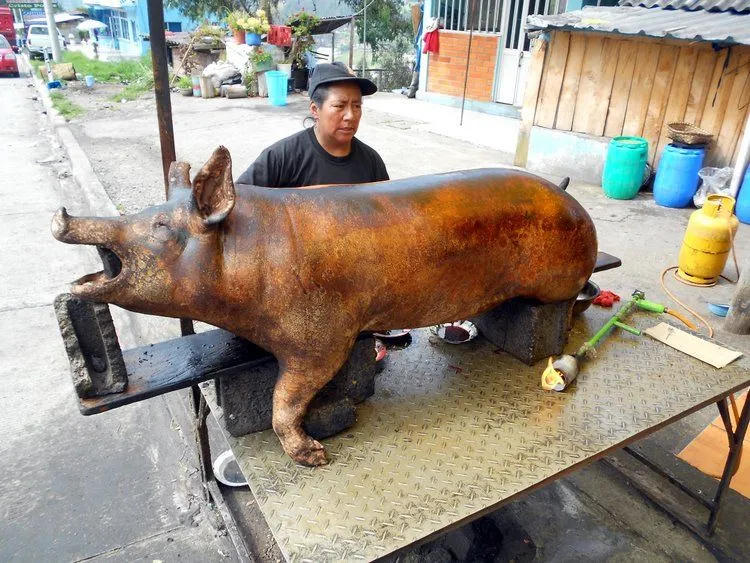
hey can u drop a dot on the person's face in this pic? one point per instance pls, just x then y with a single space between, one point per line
338 118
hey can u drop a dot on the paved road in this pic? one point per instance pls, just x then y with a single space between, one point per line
119 486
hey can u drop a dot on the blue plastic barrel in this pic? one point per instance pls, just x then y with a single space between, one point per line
677 176
742 207
276 82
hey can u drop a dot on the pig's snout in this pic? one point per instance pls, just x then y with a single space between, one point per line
60 224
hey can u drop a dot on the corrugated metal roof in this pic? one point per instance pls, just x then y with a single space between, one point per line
721 27
716 5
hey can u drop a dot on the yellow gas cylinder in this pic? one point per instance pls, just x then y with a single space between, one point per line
708 240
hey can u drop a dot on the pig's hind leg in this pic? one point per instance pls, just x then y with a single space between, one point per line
299 381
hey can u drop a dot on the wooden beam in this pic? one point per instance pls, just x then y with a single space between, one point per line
657 106
567 105
531 94
640 91
595 88
736 110
699 86
554 72
618 103
678 95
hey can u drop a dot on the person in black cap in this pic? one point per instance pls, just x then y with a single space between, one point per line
328 152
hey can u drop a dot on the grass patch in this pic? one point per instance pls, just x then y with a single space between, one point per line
66 108
135 89
128 70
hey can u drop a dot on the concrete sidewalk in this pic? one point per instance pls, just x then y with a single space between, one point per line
120 486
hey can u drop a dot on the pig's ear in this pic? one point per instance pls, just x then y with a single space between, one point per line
179 177
213 188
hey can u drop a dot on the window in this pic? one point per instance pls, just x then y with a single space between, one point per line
121 26
492 16
173 26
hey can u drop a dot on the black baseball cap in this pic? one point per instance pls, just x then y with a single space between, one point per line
327 73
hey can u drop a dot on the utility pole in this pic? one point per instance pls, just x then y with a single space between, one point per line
364 42
52 31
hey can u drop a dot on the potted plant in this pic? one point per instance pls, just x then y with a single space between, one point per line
302 23
255 26
261 60
185 85
236 20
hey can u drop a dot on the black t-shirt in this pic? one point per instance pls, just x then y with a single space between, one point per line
300 160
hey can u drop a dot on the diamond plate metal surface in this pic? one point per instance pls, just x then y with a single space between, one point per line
455 430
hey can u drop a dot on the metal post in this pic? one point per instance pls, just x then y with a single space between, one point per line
333 46
351 43
161 86
468 58
52 31
364 41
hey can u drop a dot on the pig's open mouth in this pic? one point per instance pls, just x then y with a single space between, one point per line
93 282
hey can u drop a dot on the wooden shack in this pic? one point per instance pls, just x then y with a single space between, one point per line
617 82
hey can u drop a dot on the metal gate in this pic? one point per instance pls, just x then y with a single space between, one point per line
514 49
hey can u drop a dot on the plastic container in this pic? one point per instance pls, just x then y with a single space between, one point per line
89 81
677 175
742 208
252 39
276 81
708 240
624 167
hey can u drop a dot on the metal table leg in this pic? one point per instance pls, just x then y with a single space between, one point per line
735 437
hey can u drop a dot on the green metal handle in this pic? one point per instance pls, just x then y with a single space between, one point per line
627 328
650 306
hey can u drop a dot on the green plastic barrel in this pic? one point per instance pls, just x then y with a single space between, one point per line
624 167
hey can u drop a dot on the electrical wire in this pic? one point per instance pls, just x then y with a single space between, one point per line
680 303
690 324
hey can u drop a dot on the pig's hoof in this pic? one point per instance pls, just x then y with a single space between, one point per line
311 453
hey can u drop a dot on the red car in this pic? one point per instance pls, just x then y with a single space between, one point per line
8 62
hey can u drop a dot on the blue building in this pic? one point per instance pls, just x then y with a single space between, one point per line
127 22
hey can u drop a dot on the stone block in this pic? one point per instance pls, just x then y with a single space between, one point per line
527 330
90 339
247 397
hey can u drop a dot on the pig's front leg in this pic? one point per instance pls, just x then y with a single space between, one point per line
299 381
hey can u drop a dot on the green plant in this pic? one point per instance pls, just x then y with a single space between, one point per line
207 30
184 82
62 104
236 20
261 57
392 57
302 24
258 23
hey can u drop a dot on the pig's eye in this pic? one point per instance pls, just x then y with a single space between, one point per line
161 230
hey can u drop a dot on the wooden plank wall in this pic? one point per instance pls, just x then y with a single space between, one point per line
610 85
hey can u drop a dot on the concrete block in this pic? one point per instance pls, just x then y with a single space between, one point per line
565 153
527 330
90 339
247 397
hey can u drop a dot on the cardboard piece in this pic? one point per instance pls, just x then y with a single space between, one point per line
694 346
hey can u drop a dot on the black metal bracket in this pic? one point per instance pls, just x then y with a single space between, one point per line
703 532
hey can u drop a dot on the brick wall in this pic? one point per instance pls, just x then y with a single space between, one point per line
446 71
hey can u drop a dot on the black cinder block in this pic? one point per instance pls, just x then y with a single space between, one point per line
96 364
527 330
247 397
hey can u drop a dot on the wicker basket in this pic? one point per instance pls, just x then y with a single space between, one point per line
688 134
